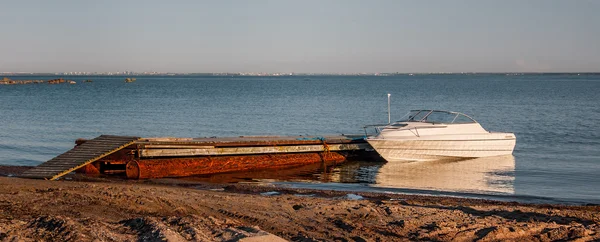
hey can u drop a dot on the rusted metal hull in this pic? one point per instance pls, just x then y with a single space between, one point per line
180 167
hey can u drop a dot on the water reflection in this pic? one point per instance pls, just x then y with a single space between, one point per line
487 174
306 173
481 175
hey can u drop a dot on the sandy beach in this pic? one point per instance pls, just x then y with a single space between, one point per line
97 209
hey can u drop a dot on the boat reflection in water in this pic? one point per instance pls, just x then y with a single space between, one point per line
487 175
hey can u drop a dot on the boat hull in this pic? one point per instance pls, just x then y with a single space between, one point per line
403 150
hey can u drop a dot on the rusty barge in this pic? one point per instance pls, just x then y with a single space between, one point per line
143 158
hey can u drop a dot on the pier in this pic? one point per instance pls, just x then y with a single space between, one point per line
144 158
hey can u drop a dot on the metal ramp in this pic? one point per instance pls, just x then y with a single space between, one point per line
86 153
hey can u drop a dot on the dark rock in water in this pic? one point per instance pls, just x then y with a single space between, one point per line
57 81
8 81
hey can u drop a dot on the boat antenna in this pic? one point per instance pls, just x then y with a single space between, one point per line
389 115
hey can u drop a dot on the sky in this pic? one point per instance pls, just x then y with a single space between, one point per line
303 36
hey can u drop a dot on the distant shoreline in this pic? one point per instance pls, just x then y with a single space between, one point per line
14 74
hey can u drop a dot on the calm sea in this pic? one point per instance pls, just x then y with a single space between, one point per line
555 117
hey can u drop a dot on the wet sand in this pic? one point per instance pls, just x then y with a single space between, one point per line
88 209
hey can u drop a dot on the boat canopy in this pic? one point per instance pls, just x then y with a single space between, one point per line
436 116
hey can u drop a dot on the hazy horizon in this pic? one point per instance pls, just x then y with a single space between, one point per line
269 36
284 73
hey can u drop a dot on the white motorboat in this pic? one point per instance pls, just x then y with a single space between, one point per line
432 135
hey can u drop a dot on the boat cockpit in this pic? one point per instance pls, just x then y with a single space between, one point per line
436 117
426 118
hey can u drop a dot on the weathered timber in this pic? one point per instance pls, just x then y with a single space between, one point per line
79 157
250 150
158 146
253 141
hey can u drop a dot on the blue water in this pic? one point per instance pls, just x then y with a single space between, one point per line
554 116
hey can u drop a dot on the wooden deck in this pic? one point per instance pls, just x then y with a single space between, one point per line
245 145
79 156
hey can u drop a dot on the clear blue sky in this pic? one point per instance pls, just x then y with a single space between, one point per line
325 36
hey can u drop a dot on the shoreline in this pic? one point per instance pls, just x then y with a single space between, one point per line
88 208
217 180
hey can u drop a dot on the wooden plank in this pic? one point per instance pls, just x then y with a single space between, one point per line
150 146
120 137
64 161
80 154
87 150
44 172
97 145
58 168
100 143
53 171
66 165
79 149
61 160
250 150
56 164
103 139
253 141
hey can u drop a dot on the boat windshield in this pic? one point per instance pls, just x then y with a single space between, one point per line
434 116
